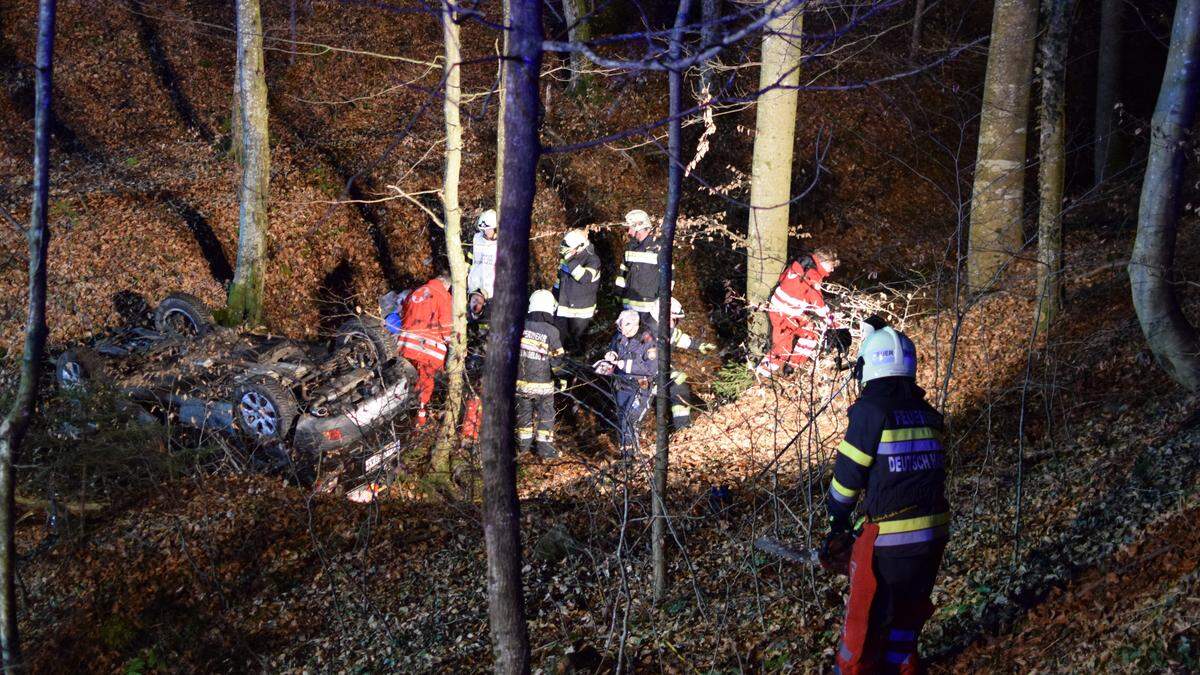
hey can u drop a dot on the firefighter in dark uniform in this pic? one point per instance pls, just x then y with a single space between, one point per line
632 360
578 282
638 280
892 465
681 392
541 355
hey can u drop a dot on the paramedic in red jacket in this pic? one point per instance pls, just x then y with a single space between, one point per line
797 312
428 322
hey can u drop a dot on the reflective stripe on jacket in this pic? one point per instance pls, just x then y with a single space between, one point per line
893 459
578 282
541 354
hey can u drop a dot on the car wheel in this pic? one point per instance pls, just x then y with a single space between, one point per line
368 330
263 409
74 369
183 315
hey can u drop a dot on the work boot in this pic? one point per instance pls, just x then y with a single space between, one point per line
422 418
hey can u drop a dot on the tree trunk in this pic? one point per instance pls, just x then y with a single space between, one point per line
578 30
1052 159
452 221
1108 148
501 511
997 200
918 21
666 260
246 291
1171 337
16 423
771 173
710 17
292 31
504 21
236 149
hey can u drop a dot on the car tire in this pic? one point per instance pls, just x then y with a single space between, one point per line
371 329
183 315
75 368
263 409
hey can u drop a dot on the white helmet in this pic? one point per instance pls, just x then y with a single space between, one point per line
486 221
628 322
887 352
638 220
542 301
574 239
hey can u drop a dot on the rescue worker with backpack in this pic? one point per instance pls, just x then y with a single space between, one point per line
891 464
482 256
798 313
540 357
632 360
427 324
638 279
578 283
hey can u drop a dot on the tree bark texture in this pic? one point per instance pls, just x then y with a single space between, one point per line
452 222
1052 158
662 454
16 422
918 22
578 30
771 172
1108 147
998 200
504 21
1172 339
501 511
246 291
710 17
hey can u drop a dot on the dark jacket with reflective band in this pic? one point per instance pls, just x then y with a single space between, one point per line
893 458
541 354
639 272
578 281
637 359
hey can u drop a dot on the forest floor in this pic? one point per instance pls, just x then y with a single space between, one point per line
184 570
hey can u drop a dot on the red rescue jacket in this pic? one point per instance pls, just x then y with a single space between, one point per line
797 295
428 322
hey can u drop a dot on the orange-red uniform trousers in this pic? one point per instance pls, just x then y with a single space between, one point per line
428 324
796 301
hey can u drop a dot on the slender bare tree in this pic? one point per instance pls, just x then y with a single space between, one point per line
666 261
452 227
1052 158
500 104
997 200
918 23
1171 337
771 179
501 510
249 275
1107 145
578 30
16 422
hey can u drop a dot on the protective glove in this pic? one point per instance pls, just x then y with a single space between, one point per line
610 356
834 554
706 347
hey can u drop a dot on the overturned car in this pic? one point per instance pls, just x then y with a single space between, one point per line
310 396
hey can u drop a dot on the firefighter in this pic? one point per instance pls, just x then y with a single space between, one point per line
632 360
891 465
541 355
578 281
681 392
423 339
638 279
798 313
391 307
482 275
